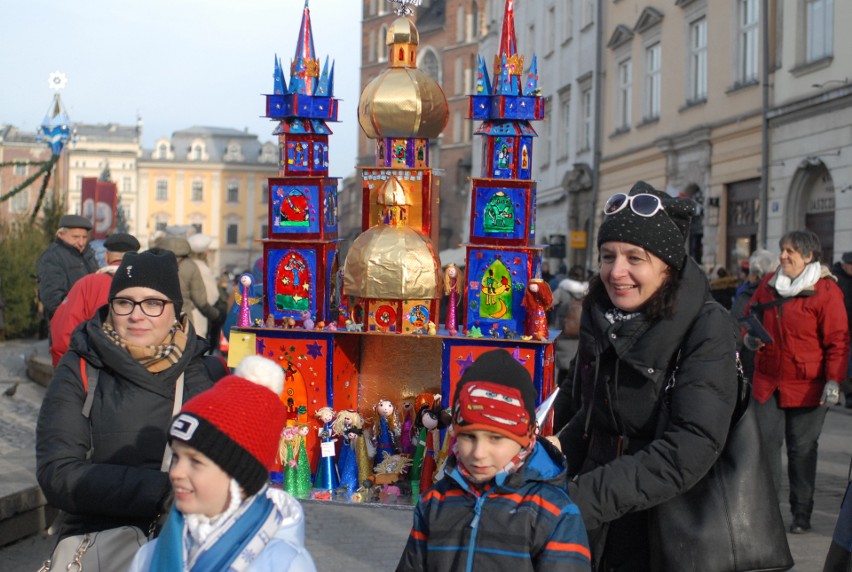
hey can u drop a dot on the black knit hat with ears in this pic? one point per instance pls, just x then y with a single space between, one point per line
155 268
664 234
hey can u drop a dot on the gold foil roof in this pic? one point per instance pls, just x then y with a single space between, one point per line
402 31
396 263
403 102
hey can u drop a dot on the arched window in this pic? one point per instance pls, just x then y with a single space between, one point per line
197 152
162 151
476 28
460 25
382 44
430 64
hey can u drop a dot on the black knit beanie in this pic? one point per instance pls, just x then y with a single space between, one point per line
155 268
664 234
496 394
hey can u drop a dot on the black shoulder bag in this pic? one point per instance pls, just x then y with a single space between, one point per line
730 520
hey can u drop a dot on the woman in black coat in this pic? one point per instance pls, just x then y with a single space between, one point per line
648 311
100 462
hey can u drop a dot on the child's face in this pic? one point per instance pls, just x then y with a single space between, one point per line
200 485
484 453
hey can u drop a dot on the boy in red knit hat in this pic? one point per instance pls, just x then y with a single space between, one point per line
501 504
224 514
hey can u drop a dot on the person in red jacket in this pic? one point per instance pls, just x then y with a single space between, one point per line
88 294
797 374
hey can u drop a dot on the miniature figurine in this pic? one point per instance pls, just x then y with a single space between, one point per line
431 328
353 327
405 445
452 288
303 463
244 299
353 452
537 300
307 320
474 332
386 431
327 476
287 457
428 421
270 321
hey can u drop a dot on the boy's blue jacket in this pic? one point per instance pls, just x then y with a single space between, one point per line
519 522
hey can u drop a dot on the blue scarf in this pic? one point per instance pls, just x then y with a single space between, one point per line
168 554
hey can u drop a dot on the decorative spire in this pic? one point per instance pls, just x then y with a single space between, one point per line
531 87
280 84
483 82
508 65
55 129
404 8
305 66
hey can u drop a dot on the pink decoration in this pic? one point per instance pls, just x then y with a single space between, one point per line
244 318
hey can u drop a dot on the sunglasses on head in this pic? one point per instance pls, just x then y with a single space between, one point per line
642 204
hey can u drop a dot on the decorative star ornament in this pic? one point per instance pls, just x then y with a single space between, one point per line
315 350
57 80
465 363
404 8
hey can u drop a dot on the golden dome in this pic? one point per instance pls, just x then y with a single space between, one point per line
392 263
392 193
403 101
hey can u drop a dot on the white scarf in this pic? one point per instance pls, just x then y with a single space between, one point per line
787 288
202 529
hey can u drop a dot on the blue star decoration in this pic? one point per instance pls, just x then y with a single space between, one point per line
517 355
465 363
315 350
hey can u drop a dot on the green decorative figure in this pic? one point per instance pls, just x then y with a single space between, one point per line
499 214
288 459
303 466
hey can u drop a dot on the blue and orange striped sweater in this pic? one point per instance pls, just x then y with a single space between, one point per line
521 522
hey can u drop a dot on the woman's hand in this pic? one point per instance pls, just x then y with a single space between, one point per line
830 393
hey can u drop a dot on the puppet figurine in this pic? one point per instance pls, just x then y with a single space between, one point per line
428 420
303 464
350 427
405 445
452 288
287 455
327 475
537 300
245 300
386 431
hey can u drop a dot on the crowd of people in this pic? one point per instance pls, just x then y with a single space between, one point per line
143 436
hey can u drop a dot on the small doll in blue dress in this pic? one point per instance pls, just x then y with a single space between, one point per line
353 464
386 430
327 478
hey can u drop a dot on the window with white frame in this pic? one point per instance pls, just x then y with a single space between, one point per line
197 191
819 20
625 86
162 190
588 12
429 64
747 40
563 147
126 185
197 153
550 30
586 118
382 44
568 20
20 201
232 232
233 192
653 72
162 151
698 60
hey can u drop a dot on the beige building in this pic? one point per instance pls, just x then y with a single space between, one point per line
810 125
214 180
682 110
95 147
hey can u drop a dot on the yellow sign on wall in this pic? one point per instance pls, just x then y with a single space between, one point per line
577 239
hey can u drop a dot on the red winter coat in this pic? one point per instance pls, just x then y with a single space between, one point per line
810 343
82 302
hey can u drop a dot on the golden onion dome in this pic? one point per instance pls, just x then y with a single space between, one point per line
403 101
392 263
392 193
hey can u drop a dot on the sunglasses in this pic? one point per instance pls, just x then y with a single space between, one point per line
642 204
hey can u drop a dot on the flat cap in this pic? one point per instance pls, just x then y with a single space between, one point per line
121 242
847 258
75 221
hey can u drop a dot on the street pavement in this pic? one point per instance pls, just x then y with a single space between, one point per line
339 536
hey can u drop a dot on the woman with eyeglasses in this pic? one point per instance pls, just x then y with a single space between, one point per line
648 311
101 435
797 374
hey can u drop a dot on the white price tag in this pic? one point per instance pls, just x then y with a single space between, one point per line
327 449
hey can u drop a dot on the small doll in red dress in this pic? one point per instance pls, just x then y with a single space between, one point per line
537 300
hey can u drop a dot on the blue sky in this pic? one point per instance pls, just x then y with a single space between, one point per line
176 63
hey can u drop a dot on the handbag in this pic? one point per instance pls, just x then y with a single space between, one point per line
730 520
104 551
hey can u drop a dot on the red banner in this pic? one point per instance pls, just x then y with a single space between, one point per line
99 206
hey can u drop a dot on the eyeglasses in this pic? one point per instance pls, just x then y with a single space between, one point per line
151 307
642 204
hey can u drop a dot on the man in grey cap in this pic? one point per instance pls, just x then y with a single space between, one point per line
843 271
88 294
68 258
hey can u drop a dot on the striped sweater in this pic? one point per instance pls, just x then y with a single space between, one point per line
521 522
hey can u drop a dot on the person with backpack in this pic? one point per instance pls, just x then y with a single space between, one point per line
101 436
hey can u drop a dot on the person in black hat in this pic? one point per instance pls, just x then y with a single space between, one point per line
68 258
103 426
648 311
88 294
